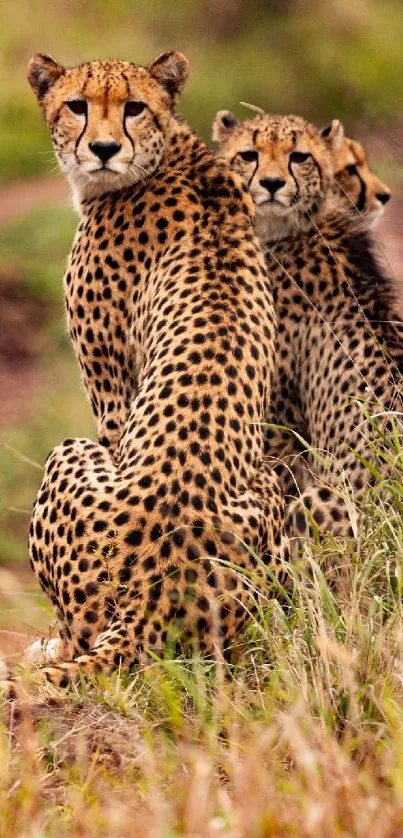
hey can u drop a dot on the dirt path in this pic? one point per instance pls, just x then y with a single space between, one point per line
21 196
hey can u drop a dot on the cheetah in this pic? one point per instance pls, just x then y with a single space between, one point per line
339 351
354 180
153 534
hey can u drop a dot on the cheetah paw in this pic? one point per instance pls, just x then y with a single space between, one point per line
42 651
3 669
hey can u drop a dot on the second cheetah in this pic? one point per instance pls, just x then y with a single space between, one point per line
339 345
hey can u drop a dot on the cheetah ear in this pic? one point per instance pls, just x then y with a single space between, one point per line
333 134
43 72
224 125
170 70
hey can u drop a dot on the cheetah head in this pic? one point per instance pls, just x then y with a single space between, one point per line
286 164
361 188
109 120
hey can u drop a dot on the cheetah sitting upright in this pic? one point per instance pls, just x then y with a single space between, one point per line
157 530
339 356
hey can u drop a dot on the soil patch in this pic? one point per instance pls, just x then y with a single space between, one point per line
22 341
20 197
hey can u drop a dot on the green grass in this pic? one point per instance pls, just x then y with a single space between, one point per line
35 249
59 410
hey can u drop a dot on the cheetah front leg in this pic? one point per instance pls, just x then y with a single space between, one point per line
111 394
106 357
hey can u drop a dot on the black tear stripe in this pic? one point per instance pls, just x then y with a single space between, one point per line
253 173
79 138
294 179
126 133
57 115
319 171
155 121
362 198
316 164
88 76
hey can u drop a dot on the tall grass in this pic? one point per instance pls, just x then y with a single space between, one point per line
302 736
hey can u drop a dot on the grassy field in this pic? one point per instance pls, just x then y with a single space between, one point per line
303 737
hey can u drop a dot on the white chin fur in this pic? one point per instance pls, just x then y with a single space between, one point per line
86 186
275 223
374 216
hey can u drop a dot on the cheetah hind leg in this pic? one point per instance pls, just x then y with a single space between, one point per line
318 509
285 454
261 514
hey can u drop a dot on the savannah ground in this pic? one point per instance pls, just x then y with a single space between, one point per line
304 736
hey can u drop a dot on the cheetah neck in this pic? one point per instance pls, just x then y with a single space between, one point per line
276 229
271 228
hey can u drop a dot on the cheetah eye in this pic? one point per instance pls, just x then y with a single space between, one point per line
134 108
78 106
299 156
352 169
248 156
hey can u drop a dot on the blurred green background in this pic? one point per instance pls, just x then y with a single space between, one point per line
340 58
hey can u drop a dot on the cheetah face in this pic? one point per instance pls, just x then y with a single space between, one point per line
285 164
109 120
357 183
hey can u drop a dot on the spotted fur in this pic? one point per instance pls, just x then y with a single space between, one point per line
148 534
355 182
339 345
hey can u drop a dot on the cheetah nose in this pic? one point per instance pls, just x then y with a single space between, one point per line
272 184
105 150
384 197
